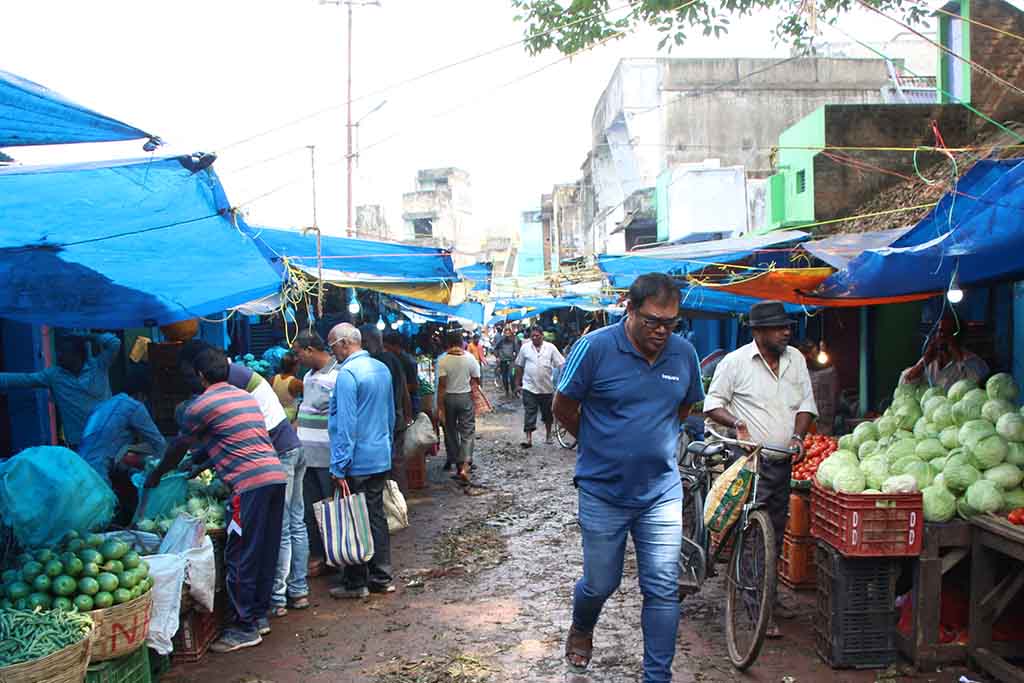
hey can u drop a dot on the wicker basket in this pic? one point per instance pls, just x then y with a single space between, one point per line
121 629
64 666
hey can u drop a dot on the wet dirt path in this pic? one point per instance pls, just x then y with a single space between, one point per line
484 594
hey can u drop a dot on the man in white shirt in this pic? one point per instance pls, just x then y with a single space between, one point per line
535 365
457 373
763 391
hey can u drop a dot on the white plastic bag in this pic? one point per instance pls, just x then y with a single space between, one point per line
395 507
419 436
187 538
168 574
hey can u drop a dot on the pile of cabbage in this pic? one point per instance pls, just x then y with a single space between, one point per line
206 495
963 450
260 367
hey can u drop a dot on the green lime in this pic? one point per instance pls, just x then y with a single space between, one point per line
114 550
39 600
114 567
63 604
94 540
83 603
75 545
122 595
71 535
143 569
88 586
90 569
103 600
131 559
44 556
41 584
72 565
53 568
11 575
30 570
18 590
108 582
64 585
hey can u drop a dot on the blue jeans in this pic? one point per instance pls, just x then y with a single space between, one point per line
657 535
293 558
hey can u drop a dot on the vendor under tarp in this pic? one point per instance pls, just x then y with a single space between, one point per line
118 244
423 273
33 115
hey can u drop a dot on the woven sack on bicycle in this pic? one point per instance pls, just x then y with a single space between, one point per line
727 496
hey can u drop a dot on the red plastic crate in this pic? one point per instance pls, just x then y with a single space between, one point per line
796 564
196 632
868 525
799 522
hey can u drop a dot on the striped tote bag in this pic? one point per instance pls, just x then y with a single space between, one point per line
345 526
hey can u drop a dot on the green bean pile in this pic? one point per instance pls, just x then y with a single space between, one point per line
25 636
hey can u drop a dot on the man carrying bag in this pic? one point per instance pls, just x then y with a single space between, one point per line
361 425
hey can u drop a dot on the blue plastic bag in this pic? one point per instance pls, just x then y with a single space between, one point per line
46 491
172 490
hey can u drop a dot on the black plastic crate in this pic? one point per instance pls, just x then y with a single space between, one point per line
857 615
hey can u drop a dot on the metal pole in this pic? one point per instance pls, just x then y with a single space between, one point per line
349 108
319 252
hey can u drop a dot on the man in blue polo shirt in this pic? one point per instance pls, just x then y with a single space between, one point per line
624 391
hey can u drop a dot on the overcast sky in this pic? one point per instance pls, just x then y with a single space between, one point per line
204 74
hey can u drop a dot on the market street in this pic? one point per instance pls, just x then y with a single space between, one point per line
484 592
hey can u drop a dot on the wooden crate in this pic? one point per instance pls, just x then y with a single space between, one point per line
944 546
997 577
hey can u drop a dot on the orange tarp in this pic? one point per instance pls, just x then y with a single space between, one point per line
793 284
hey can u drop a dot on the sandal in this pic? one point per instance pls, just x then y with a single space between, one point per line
277 612
301 602
579 648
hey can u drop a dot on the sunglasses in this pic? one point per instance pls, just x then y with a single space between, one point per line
652 323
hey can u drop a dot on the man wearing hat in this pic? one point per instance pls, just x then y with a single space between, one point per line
763 392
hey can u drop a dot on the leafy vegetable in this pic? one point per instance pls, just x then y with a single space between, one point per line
1001 385
949 438
973 431
960 389
995 408
988 452
900 483
866 449
984 496
876 471
1015 453
921 473
1005 475
959 476
848 479
1013 499
939 504
929 449
1010 426
865 431
886 426
929 407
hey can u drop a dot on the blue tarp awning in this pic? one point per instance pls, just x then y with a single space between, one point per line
33 115
839 250
682 260
356 260
713 301
480 274
977 233
441 313
119 244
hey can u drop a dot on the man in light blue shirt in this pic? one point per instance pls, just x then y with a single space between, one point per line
361 423
79 382
115 425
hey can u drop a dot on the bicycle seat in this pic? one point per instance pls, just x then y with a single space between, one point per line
705 449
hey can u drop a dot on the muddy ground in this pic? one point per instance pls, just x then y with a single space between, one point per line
484 594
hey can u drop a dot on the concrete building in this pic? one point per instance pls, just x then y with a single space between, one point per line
657 114
813 185
530 256
701 198
501 253
440 213
371 223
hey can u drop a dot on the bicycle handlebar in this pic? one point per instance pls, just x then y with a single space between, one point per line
751 444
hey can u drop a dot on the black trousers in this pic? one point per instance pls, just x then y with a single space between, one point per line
536 402
376 572
316 486
773 495
251 559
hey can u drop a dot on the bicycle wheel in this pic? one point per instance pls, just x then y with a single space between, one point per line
692 559
750 589
565 439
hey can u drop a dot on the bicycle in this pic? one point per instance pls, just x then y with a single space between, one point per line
565 439
750 578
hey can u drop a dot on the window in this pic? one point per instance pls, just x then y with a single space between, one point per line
801 182
423 227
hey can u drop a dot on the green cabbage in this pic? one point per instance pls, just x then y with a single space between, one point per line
964 510
923 429
886 426
1005 476
901 449
919 391
939 464
1015 453
939 480
995 408
900 483
928 407
876 471
826 470
929 449
960 389
1001 385
848 479
959 476
967 409
867 449
988 452
1013 499
907 414
921 473
931 393
972 432
865 431
949 438
984 496
846 442
939 504
905 391
1010 426
845 457
870 491
900 466
943 416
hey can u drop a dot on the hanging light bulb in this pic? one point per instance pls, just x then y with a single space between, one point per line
822 353
954 294
381 324
399 323
353 306
395 325
554 319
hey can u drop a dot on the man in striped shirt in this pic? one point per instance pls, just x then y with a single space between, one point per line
225 427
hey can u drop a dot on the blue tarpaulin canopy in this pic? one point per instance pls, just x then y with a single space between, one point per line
440 313
684 259
33 115
123 244
527 307
977 232
698 300
839 250
357 260
480 274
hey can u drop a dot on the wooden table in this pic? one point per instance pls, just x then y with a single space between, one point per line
995 544
945 545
